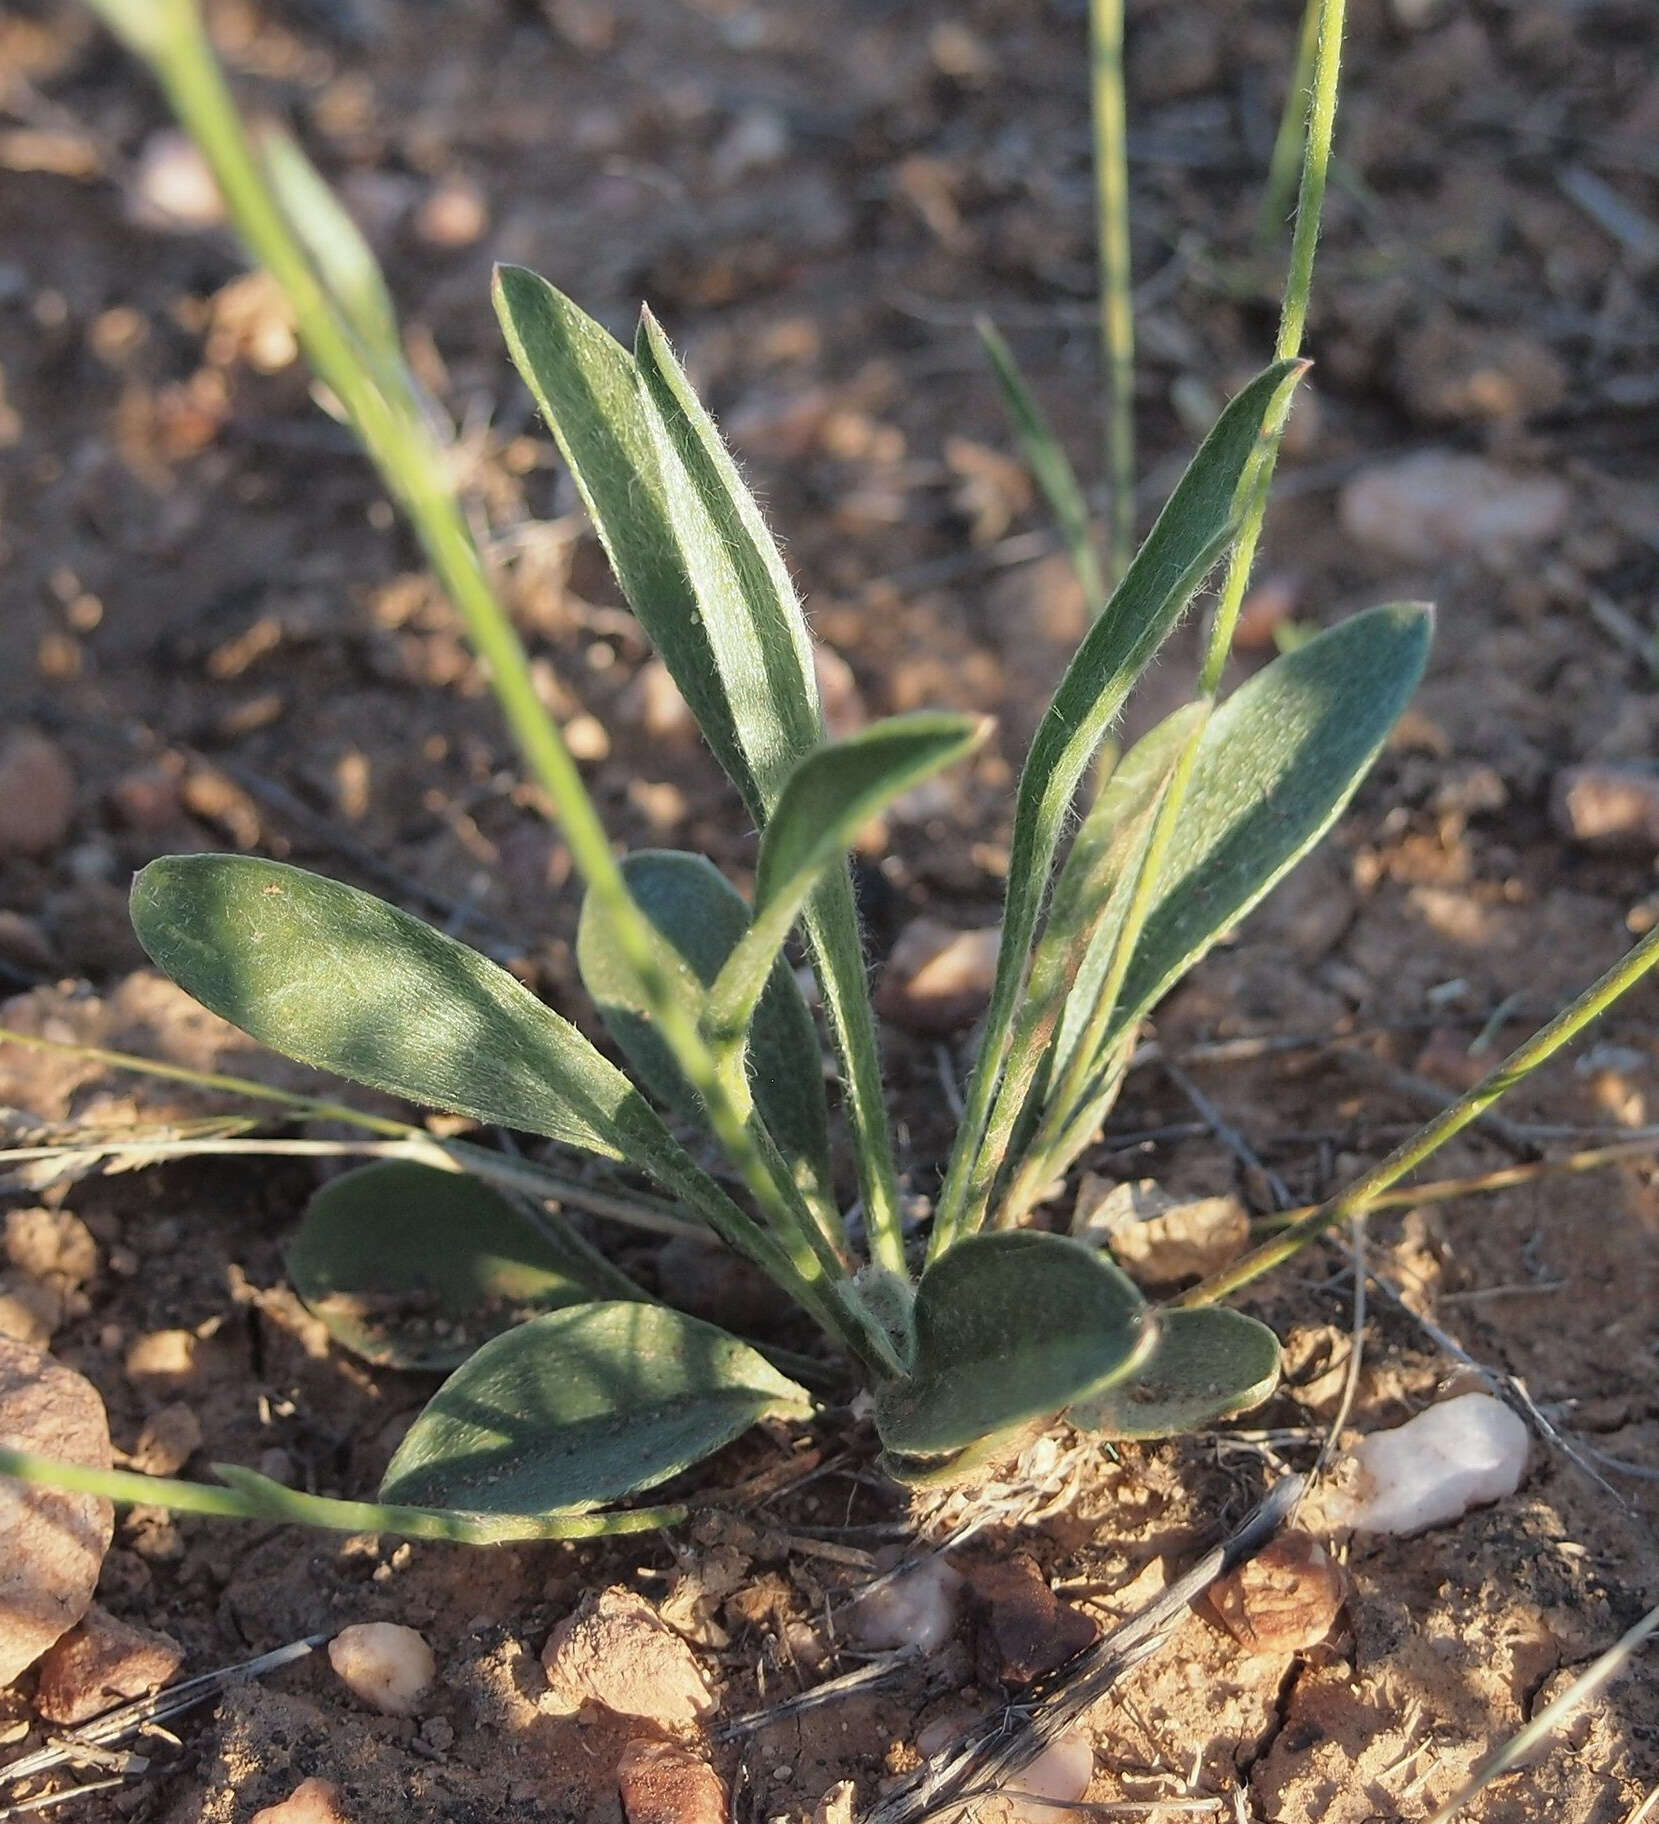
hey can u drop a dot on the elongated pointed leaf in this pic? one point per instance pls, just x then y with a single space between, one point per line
343 257
701 918
613 434
413 1267
1191 533
583 1406
1207 1364
1090 902
1275 767
1049 464
756 631
1010 1327
339 979
591 394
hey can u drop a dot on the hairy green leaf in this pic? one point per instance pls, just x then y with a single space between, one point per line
1207 1364
756 632
701 918
826 800
592 397
617 427
583 1406
339 979
413 1267
1275 767
1010 1327
1191 533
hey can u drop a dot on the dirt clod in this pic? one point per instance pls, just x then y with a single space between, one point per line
938 979
1437 504
1157 1238
1283 1600
101 1662
616 1651
52 1543
1022 1628
661 1783
1615 808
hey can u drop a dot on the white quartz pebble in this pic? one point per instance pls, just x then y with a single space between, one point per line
1060 1774
916 1610
390 1668
1434 1468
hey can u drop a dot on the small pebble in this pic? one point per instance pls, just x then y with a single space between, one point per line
52 1543
661 1783
172 186
1613 808
168 1441
938 979
1454 1456
1437 505
102 1662
454 215
386 1666
313 1801
37 793
916 1610
1059 1775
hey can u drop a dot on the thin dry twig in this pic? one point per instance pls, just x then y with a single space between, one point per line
999 1747
1589 1684
96 1737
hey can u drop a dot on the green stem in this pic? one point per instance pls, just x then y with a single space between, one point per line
1360 1195
1117 317
415 467
255 1497
1287 142
1293 316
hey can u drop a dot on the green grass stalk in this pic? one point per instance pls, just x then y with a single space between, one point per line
1117 316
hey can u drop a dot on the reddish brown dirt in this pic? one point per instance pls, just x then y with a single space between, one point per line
210 610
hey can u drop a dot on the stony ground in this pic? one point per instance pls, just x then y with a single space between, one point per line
215 635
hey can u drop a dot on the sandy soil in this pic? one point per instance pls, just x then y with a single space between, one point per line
213 618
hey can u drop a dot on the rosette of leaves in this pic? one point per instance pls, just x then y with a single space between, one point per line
568 1388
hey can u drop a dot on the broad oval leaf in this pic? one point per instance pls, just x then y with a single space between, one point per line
701 918
413 1267
339 979
583 1406
1208 1364
1010 1327
1275 766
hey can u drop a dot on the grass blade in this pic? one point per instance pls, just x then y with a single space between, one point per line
1049 464
1191 533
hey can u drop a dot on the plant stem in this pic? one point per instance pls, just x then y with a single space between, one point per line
1359 1196
415 466
1117 316
258 1498
1287 142
1293 315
